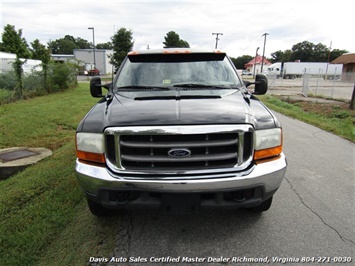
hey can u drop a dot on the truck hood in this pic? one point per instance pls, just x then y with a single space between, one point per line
227 107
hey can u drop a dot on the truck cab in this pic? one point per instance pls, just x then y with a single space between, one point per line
179 130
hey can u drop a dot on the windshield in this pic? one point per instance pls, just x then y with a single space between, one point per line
217 73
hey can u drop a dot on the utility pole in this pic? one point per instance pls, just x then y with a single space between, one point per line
262 59
219 33
93 38
326 71
256 55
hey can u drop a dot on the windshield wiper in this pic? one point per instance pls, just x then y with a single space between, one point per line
202 86
141 88
181 97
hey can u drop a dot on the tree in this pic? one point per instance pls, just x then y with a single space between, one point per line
307 52
41 52
106 45
281 56
122 44
82 43
12 42
310 52
320 53
302 51
67 44
335 53
240 61
172 40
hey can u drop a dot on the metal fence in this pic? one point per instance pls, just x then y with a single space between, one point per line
311 85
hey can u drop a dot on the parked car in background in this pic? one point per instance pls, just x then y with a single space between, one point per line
94 72
246 73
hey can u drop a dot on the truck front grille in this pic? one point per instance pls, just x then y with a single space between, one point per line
176 149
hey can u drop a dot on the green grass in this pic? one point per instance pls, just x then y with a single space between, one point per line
5 95
44 218
338 121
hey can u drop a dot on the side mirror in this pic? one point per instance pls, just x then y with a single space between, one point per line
95 87
247 83
261 84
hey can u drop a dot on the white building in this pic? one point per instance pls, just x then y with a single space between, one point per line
102 59
62 57
7 59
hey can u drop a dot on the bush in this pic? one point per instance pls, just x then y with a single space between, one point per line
8 80
60 76
33 82
341 114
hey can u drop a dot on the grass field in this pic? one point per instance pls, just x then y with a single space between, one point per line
44 217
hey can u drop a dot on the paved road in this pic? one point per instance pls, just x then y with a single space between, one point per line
312 213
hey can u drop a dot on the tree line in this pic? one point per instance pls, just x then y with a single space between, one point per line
304 51
13 42
122 42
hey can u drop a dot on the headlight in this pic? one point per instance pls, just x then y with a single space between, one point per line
268 143
90 147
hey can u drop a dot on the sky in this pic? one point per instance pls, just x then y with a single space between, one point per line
242 23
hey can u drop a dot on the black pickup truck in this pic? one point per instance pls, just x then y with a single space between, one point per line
178 130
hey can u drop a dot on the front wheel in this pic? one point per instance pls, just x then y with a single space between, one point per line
97 210
264 206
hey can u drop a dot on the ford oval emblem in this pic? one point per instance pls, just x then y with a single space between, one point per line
179 153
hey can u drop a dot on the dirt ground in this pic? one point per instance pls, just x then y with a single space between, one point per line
324 88
329 98
328 108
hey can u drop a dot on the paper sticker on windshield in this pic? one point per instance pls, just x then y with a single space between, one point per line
166 81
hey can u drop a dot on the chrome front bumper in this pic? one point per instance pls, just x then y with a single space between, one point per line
267 175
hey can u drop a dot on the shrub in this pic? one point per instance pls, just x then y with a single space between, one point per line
8 80
60 76
341 114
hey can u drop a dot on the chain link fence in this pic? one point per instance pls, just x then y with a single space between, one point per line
59 77
314 85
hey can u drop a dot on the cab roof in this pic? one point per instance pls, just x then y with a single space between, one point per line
174 51
175 54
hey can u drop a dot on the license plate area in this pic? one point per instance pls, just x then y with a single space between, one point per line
181 203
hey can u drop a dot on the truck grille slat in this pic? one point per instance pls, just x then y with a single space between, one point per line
153 158
178 144
172 149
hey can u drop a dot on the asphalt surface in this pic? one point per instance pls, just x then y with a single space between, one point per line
311 219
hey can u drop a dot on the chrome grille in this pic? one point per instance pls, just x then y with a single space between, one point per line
179 148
